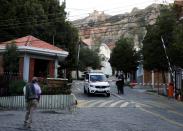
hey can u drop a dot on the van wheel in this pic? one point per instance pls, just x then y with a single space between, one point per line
108 94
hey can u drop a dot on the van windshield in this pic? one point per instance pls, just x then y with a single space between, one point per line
94 78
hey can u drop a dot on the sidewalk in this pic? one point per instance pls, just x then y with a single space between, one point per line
148 94
84 119
154 91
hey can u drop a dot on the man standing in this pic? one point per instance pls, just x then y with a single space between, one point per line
32 92
120 84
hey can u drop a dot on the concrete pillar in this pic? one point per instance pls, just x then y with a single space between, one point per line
51 68
56 69
169 77
31 68
26 67
21 64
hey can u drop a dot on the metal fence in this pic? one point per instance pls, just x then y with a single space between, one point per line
55 100
5 79
10 76
48 102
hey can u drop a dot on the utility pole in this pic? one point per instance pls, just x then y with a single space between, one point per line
53 38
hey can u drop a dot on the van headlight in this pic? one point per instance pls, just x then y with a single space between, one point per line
92 86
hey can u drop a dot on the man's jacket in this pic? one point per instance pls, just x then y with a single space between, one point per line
30 92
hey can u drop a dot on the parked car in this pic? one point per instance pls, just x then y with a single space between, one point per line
96 83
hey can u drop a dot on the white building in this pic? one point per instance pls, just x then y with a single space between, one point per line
105 52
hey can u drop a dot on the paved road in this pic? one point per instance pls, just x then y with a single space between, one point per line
136 110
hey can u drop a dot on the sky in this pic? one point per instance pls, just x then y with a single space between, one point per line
78 9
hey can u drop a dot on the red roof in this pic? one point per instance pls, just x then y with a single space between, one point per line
32 41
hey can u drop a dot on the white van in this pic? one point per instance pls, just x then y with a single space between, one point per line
95 83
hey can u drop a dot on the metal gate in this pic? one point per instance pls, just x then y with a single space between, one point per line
178 82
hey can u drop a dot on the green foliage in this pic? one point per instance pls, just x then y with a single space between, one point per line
30 17
10 58
46 90
89 58
154 57
71 41
124 57
16 87
44 19
176 52
153 53
3 86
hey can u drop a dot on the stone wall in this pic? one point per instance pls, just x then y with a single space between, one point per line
59 102
158 78
58 84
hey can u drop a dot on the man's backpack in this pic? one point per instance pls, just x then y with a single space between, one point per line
30 92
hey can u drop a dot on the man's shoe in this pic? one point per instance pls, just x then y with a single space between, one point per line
28 126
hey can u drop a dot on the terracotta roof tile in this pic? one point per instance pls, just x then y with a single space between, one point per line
32 41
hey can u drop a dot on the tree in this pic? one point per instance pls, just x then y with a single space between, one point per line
176 52
44 19
154 57
89 58
19 18
171 31
124 57
11 59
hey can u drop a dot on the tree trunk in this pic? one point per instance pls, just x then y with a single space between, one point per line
163 76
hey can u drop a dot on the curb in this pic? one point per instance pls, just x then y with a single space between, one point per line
155 94
165 97
117 95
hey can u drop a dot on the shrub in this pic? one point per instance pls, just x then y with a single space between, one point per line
46 90
16 87
3 86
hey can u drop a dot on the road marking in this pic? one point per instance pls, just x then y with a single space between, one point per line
105 103
145 105
124 104
177 113
136 104
115 103
82 103
78 89
95 103
108 103
158 104
117 96
162 117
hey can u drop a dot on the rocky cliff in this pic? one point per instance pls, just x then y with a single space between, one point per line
103 28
